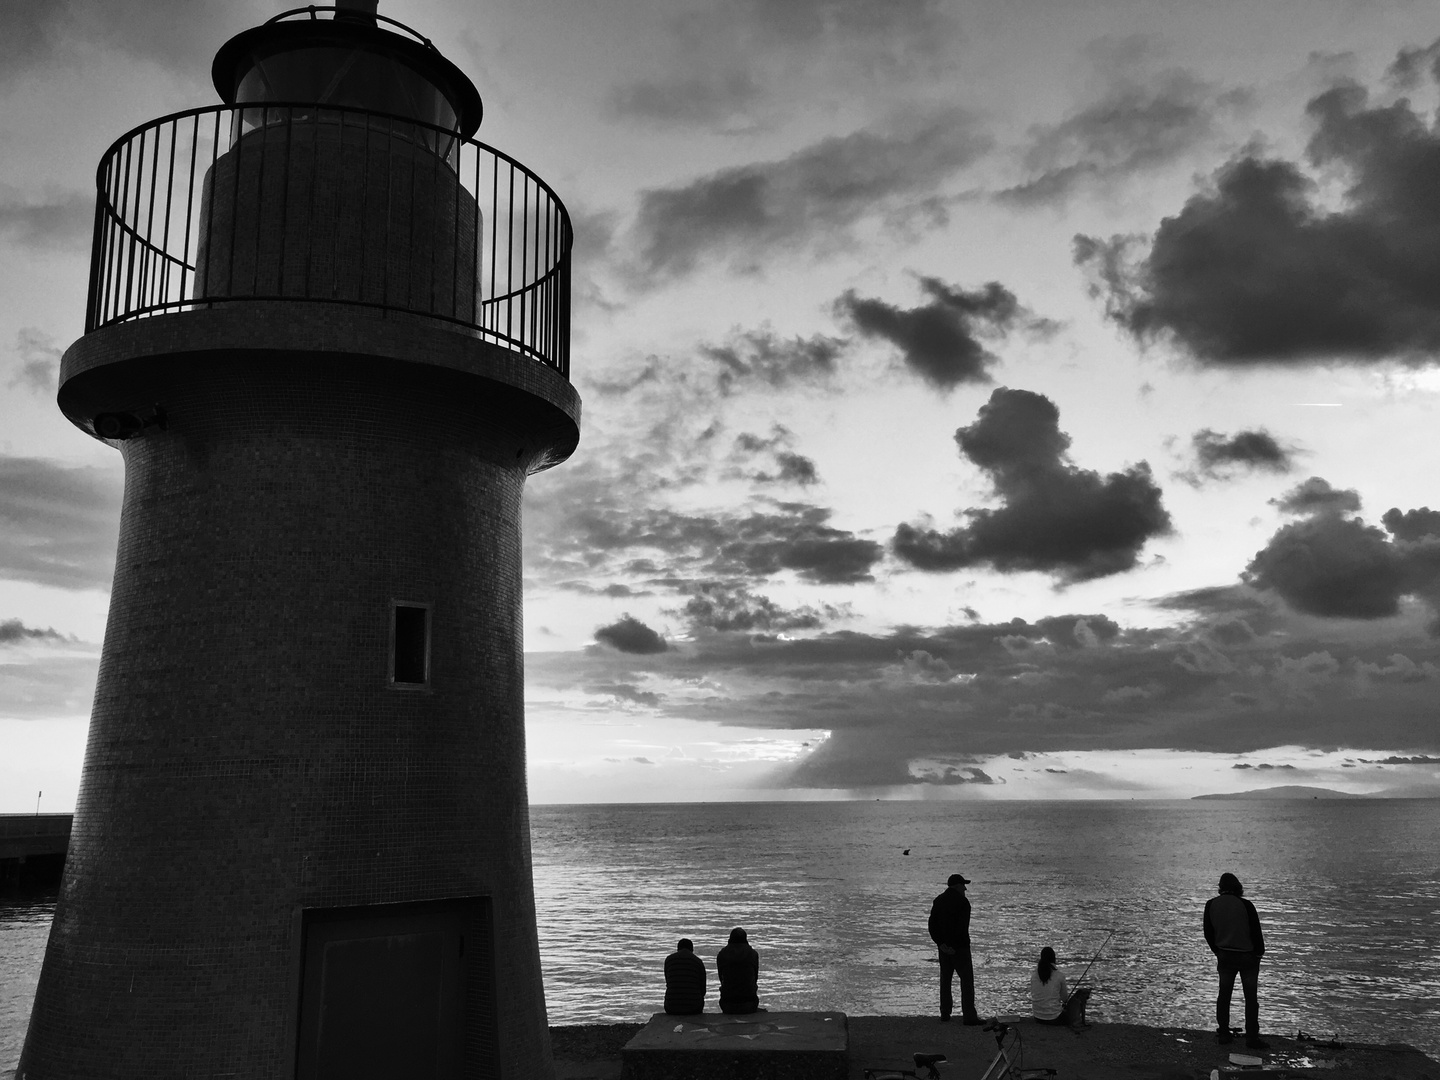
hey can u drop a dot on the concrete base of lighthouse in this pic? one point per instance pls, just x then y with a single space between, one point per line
283 861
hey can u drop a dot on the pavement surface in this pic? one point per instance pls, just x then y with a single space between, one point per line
1100 1052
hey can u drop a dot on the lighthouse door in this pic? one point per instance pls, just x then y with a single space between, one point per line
384 991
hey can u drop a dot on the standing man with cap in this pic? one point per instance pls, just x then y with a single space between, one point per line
1232 930
950 930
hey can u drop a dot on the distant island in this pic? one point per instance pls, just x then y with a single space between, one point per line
1300 791
1285 791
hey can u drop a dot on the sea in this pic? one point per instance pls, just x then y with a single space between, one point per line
834 897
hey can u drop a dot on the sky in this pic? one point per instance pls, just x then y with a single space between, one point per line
990 400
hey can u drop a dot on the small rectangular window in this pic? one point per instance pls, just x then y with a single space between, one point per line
410 644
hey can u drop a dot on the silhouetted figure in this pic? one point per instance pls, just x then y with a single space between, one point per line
1232 930
684 980
950 930
738 966
1050 1000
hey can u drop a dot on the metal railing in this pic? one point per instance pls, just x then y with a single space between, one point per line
303 202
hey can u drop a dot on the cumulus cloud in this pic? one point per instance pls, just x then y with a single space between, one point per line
630 635
1331 563
1315 496
1220 457
788 466
1258 269
58 524
812 199
941 340
1137 123
1054 517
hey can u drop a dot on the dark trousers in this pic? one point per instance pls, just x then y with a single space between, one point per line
1247 965
950 963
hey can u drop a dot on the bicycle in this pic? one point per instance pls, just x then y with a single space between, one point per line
1002 1068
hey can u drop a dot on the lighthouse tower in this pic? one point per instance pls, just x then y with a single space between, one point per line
328 333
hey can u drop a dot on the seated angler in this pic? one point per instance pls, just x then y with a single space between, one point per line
1050 1000
684 981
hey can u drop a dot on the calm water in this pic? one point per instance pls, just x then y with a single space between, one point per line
1348 892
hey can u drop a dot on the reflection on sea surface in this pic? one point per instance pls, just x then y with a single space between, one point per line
1349 894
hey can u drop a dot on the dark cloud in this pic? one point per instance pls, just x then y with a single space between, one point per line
941 340
789 467
1055 518
13 632
58 221
721 606
1335 565
630 635
1316 496
914 701
1258 270
1332 566
760 357
1219 456
58 524
616 589
1411 524
949 774
1137 124
811 199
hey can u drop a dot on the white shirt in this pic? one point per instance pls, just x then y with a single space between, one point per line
1047 999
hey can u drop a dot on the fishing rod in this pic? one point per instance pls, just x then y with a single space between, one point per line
1088 966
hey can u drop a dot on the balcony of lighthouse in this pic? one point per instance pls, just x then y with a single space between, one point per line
319 207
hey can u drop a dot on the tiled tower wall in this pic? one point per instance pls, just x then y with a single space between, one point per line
247 755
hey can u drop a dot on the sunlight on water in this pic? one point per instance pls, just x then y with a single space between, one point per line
1347 894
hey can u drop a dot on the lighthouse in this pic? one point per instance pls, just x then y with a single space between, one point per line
328 332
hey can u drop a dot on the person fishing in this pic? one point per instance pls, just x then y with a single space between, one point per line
1051 1001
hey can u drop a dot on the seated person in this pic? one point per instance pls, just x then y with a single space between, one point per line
1049 999
738 966
684 980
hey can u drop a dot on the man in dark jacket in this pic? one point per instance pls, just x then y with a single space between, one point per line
738 966
950 930
1232 930
684 980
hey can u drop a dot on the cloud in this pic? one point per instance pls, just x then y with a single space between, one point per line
1220 457
941 340
60 220
1334 565
790 467
760 357
628 692
910 700
57 523
1316 496
1054 517
630 635
1137 123
722 606
729 63
13 631
811 200
1259 269
39 361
